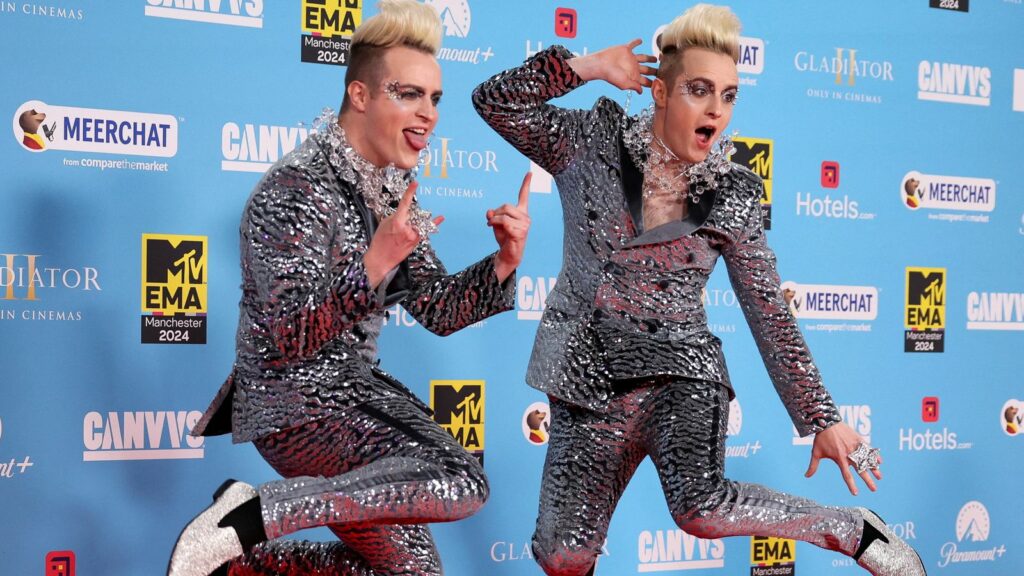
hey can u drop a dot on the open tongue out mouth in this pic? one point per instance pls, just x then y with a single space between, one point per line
416 138
705 134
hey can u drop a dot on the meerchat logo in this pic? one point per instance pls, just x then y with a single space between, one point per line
60 563
459 408
948 192
751 60
1011 417
831 302
143 435
327 28
247 13
536 422
954 83
39 126
772 556
925 312
674 550
255 147
756 154
174 290
973 528
532 296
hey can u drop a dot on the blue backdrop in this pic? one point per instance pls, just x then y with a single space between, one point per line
887 131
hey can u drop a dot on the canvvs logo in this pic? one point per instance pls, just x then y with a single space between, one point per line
532 295
672 550
856 416
756 154
954 83
255 147
39 127
174 297
925 317
995 311
327 27
973 528
248 13
772 556
141 436
459 408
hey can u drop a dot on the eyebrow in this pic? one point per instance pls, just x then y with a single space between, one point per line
421 89
712 83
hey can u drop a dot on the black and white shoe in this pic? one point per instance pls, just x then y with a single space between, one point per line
209 542
883 553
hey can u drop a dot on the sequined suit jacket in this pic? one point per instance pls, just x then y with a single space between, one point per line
308 317
628 302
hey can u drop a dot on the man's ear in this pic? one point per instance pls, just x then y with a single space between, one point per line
358 95
659 92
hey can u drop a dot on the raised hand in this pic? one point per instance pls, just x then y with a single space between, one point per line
618 66
394 239
511 225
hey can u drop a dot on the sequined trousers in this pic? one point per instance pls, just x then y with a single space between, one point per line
373 474
681 424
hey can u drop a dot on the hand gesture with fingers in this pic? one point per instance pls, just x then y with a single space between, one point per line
394 239
511 225
848 450
618 66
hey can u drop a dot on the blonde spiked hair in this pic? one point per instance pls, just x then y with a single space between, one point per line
401 23
713 28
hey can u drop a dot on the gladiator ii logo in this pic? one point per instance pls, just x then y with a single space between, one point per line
174 295
459 408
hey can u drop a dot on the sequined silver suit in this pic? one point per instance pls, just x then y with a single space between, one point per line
359 452
623 348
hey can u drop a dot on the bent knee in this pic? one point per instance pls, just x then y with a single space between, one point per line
561 560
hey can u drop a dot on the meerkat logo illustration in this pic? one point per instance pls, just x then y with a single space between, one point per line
30 122
1012 419
535 423
911 193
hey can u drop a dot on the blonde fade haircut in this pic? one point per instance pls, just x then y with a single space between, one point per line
713 28
406 23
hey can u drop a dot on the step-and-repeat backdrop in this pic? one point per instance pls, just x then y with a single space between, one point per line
887 134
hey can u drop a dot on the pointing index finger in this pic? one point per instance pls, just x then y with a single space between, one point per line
524 192
406 201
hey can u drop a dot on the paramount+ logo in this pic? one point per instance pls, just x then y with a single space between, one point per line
174 289
458 407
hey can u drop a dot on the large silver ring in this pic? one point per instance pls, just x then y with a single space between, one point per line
864 458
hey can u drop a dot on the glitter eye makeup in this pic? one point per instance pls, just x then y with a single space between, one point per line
393 90
699 89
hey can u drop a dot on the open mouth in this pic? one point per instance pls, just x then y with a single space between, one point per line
416 137
705 134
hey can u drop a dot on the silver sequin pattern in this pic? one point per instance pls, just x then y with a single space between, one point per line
628 303
308 318
681 425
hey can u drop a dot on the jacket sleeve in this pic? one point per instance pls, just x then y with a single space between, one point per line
514 104
300 287
752 271
445 303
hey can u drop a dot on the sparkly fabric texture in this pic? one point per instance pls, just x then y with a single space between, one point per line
308 318
203 545
895 558
628 302
681 425
372 474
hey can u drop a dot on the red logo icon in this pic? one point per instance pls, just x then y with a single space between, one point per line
829 174
930 409
565 22
60 563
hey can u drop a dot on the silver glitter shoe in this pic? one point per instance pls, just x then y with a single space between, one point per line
203 547
883 553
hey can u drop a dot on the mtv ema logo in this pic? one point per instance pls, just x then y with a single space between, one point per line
772 556
756 154
142 435
247 13
327 27
972 528
1011 417
925 317
459 408
673 550
174 290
